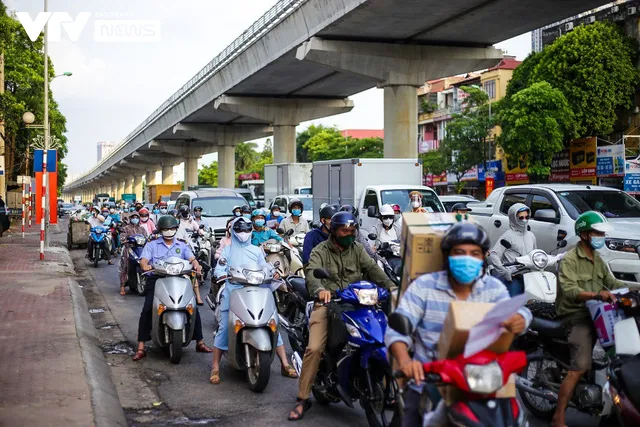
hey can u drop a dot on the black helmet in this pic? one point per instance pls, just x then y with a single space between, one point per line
197 208
348 208
174 213
327 212
343 219
167 221
184 211
460 207
242 225
246 209
464 232
296 202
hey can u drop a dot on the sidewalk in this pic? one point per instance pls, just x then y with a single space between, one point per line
51 367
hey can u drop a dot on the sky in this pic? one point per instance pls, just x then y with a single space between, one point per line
116 86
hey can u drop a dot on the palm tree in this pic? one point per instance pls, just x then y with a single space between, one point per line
246 155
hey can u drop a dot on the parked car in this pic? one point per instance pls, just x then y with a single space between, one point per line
554 209
66 208
454 199
306 199
217 206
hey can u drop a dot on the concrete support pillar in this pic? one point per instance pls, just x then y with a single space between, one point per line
190 172
167 174
121 185
137 187
226 166
284 144
150 177
128 185
400 122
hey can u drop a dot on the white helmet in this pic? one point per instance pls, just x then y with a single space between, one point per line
386 210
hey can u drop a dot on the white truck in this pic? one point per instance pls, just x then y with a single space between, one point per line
370 183
285 178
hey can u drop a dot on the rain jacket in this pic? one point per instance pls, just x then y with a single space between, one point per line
239 253
522 242
345 267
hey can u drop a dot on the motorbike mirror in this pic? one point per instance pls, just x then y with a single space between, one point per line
505 243
279 230
400 323
563 244
384 245
289 233
372 236
321 273
371 212
201 226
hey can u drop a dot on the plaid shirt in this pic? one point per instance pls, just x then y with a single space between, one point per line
426 303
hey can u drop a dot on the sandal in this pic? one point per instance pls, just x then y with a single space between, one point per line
215 377
139 355
288 372
302 406
123 291
202 348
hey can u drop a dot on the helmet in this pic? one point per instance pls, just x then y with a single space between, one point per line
274 207
246 209
296 202
183 209
327 212
592 220
257 212
386 210
460 207
197 208
341 219
134 213
464 232
144 211
242 225
161 204
396 208
96 208
348 208
167 221
173 212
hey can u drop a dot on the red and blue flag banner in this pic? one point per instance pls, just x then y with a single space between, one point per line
52 183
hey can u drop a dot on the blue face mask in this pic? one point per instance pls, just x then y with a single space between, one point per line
465 269
135 221
248 216
156 211
237 214
259 222
296 212
597 242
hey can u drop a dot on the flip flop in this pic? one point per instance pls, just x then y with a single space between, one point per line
215 377
123 291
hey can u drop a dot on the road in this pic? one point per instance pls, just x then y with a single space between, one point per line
156 393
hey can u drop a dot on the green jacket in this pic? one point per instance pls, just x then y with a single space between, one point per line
346 267
579 274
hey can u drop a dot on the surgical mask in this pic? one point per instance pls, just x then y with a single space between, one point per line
597 242
259 222
275 213
346 241
112 211
169 234
243 237
135 221
163 211
296 212
387 222
248 216
237 214
416 204
465 269
156 211
184 214
144 218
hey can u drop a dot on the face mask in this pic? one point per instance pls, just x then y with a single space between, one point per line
387 222
112 210
184 214
346 241
169 234
198 214
243 237
135 221
275 214
259 222
327 225
416 204
465 269
296 212
156 211
248 216
597 242
144 218
236 214
163 211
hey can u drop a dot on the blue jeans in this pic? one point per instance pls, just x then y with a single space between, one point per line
515 286
221 340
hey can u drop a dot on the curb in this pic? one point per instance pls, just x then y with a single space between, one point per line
107 410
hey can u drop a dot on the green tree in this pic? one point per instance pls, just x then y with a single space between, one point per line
302 154
208 175
326 144
534 127
372 148
246 155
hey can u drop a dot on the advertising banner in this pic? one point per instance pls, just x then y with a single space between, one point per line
52 183
516 171
560 171
610 160
582 155
632 177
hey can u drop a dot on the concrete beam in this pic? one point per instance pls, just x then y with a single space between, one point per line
222 134
155 158
181 149
397 64
128 164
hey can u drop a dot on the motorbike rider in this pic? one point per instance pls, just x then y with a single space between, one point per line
237 211
426 303
347 262
583 276
522 242
138 206
187 222
238 253
167 246
163 208
295 221
415 198
318 235
246 211
197 214
225 241
145 221
274 218
96 219
387 229
460 208
360 238
261 233
130 229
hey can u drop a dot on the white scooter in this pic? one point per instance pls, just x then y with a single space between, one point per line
174 305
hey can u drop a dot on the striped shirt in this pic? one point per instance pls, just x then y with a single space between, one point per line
426 303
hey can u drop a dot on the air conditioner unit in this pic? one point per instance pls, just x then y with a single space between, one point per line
568 26
632 10
615 9
591 20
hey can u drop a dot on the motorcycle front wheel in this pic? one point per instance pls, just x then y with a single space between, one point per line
175 346
382 405
258 373
141 284
96 255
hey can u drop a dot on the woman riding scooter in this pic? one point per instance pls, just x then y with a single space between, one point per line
387 229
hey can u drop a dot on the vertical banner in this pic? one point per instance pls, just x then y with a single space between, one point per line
52 184
582 155
489 185
610 161
560 171
632 177
516 171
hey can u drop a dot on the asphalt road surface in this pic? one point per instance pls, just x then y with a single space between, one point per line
155 392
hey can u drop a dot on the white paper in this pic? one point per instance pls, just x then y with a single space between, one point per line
489 330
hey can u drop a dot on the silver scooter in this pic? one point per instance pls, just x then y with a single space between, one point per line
253 322
174 305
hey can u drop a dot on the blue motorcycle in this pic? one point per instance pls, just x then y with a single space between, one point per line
136 280
354 365
100 243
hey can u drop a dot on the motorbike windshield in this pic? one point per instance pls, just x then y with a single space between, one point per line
612 204
213 207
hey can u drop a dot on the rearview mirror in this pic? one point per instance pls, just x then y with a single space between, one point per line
371 212
563 244
505 243
279 230
372 236
400 323
321 273
545 215
289 233
201 226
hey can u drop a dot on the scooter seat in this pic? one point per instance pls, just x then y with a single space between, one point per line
300 286
631 380
550 328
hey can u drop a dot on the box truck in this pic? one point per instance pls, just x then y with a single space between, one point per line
160 192
285 178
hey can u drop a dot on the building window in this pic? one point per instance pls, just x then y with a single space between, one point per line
490 88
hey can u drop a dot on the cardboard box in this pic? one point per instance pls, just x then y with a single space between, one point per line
605 316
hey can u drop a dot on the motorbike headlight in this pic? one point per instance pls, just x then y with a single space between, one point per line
254 277
174 269
141 241
98 230
540 259
367 296
353 331
485 379
395 250
275 248
622 245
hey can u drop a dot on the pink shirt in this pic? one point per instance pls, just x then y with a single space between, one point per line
150 226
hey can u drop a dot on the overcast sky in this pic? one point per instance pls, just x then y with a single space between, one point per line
115 86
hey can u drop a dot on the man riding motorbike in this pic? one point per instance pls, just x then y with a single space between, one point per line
360 238
522 242
426 303
187 222
460 208
197 214
130 229
388 229
237 254
347 262
318 235
295 221
165 247
261 233
583 276
246 211
274 218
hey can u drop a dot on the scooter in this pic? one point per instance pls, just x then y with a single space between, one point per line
101 243
389 258
136 280
174 305
253 322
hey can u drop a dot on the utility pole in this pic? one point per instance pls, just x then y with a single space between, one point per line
44 226
3 180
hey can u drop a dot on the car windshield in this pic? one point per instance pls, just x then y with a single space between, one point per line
247 195
400 197
612 204
307 202
306 190
218 206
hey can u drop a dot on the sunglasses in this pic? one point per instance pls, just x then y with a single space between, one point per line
524 217
388 217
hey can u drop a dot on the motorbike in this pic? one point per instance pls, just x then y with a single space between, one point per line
201 245
101 243
136 280
389 258
292 298
355 366
478 378
174 305
253 322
